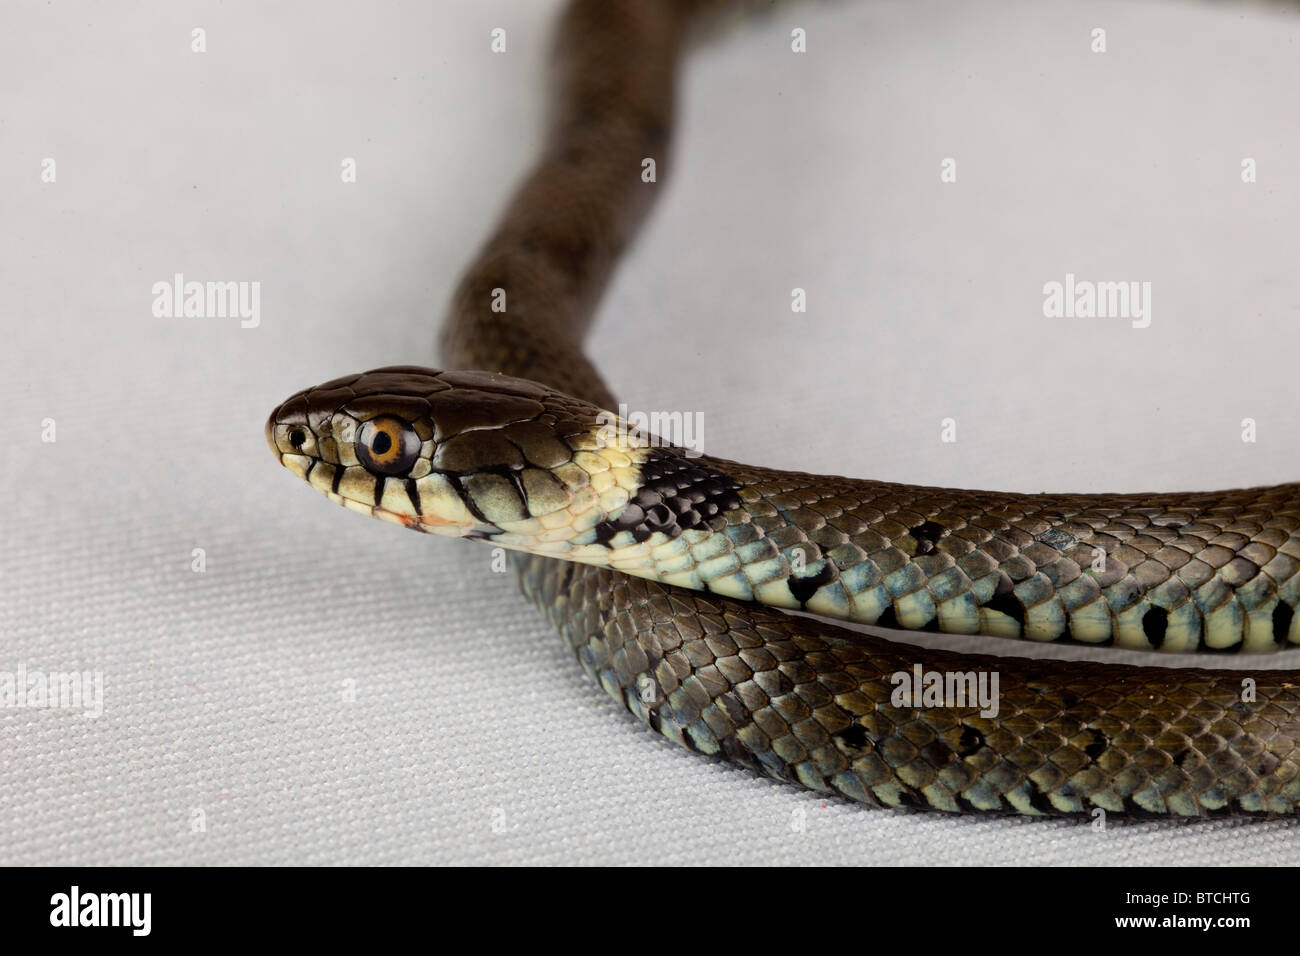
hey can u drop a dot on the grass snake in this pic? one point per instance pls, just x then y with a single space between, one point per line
667 571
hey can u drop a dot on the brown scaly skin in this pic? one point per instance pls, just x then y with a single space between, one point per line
805 701
810 703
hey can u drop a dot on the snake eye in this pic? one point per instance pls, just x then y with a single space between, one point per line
387 446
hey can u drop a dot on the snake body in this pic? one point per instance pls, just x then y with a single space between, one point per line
666 571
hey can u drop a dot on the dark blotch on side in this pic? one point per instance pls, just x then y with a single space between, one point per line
1041 802
927 535
804 588
854 737
911 799
1155 623
1282 615
688 739
937 753
1098 743
1004 599
971 741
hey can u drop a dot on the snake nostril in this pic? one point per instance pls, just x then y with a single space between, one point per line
297 437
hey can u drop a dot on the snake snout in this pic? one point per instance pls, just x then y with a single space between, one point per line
289 433
270 433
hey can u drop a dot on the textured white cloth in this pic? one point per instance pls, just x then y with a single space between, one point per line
333 690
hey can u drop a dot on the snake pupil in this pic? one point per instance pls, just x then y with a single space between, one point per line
381 444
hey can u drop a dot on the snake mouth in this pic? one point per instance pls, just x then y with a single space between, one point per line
426 523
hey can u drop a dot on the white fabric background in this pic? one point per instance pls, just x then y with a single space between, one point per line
225 691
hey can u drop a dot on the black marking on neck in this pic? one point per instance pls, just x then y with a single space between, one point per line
677 494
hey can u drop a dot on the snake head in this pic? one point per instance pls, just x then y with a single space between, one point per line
465 454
